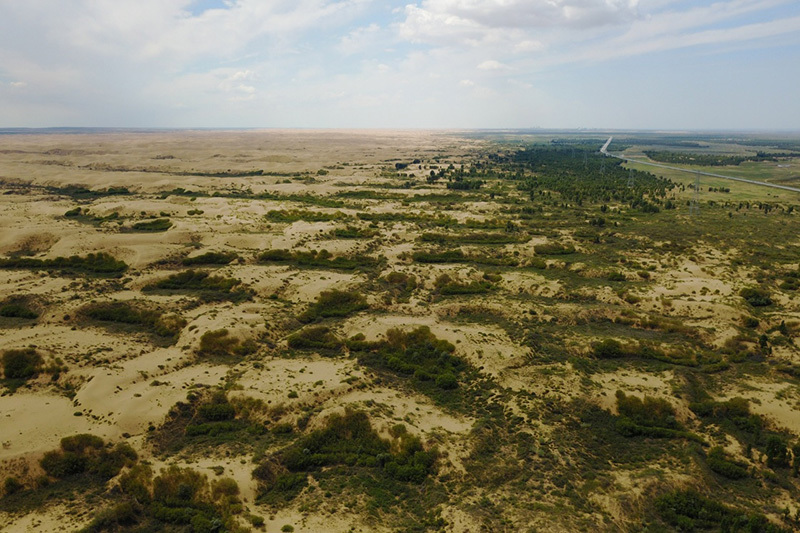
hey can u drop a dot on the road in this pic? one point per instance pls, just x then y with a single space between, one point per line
604 151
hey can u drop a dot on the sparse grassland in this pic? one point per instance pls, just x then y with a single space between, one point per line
415 332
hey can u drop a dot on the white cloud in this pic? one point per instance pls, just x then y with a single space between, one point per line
491 64
360 39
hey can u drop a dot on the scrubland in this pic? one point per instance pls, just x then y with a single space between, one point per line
393 331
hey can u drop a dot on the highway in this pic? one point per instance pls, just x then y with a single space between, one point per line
604 151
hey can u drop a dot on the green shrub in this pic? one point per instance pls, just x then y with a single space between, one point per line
318 259
352 232
209 288
609 349
293 215
350 440
121 312
211 258
334 303
417 354
17 310
554 249
87 453
717 461
755 296
649 411
315 338
21 364
161 224
688 510
99 263
219 343
12 485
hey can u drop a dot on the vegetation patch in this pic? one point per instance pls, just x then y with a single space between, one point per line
153 321
316 338
688 510
178 499
293 215
428 362
88 454
211 258
160 224
101 264
202 284
318 259
334 303
473 238
221 344
18 307
21 365
353 232
348 441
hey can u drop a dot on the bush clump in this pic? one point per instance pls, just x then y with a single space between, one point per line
349 440
319 338
99 264
417 354
151 320
21 364
334 303
177 499
211 258
160 224
688 510
85 453
447 286
756 296
17 307
718 462
209 288
318 259
220 343
554 249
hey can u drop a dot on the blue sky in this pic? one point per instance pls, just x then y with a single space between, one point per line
642 64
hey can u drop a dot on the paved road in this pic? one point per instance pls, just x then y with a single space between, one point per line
604 151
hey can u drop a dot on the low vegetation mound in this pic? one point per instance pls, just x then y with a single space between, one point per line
94 263
415 354
157 225
220 343
21 364
318 259
85 453
207 287
317 338
211 258
346 441
153 321
334 303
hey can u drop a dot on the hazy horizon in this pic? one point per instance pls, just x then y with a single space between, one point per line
603 65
